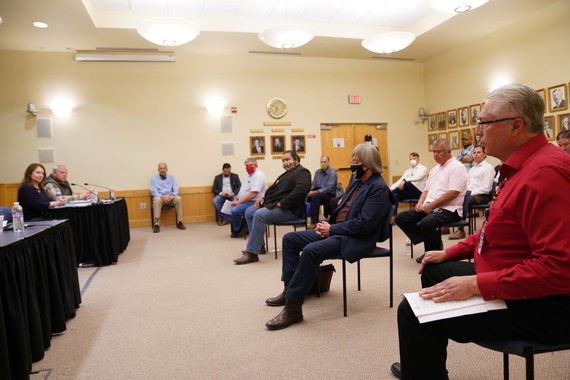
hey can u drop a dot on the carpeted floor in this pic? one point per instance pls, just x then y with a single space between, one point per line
176 307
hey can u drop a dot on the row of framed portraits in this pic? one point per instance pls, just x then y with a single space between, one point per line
259 147
454 122
454 137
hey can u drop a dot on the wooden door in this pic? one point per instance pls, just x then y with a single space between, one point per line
338 141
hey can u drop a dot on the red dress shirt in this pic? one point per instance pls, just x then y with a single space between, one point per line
525 248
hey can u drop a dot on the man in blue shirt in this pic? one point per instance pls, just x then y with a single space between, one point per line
323 189
164 190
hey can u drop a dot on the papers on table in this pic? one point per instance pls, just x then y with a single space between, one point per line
427 310
227 207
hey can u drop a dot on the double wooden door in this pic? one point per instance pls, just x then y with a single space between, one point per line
338 141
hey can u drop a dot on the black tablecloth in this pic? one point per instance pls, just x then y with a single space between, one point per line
39 291
101 231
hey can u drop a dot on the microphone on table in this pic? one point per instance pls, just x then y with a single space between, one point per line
110 189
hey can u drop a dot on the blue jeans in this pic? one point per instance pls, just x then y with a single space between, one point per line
257 221
237 215
219 203
7 212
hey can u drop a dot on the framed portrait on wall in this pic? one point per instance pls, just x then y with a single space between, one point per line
431 138
466 133
549 127
441 123
277 144
476 139
431 122
463 116
563 122
298 143
557 98
442 135
257 145
452 119
454 140
474 111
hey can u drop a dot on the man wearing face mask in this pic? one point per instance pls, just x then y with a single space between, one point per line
323 189
283 201
361 219
412 182
252 189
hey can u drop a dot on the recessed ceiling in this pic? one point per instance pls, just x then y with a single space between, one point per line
231 26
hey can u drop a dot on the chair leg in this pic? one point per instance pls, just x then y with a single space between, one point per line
358 273
529 363
275 239
505 366
344 287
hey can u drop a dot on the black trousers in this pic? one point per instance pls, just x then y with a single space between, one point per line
419 226
423 347
316 201
408 192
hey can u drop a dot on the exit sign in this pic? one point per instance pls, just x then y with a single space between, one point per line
353 99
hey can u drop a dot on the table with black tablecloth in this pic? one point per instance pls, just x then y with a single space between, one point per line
39 291
101 231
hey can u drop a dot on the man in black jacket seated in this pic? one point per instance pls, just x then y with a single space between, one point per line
361 219
226 187
284 201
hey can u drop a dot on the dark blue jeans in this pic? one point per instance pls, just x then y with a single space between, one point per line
299 271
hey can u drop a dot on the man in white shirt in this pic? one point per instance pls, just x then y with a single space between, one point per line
252 189
480 181
412 182
441 201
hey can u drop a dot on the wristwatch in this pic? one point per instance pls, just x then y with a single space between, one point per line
276 108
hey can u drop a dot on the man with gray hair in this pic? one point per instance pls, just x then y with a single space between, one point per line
520 255
441 201
56 185
361 219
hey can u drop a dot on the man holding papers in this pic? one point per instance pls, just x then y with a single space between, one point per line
521 254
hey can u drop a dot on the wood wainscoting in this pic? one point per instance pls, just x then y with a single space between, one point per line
196 201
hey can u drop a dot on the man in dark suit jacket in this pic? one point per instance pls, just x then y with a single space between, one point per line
361 219
226 186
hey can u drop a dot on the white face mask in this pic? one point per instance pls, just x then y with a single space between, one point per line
413 162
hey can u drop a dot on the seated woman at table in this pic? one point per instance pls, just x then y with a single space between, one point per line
31 194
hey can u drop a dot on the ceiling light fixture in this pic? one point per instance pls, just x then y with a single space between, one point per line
388 42
455 6
40 24
287 36
168 31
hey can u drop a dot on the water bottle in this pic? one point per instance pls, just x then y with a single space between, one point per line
112 193
17 217
408 246
94 196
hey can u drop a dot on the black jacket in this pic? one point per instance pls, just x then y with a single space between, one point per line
290 189
234 182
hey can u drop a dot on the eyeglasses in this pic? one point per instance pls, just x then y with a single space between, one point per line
480 124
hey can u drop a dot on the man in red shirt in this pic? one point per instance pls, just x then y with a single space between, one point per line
521 254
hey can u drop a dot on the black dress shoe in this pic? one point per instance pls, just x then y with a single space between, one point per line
180 226
156 228
396 370
292 313
247 258
419 259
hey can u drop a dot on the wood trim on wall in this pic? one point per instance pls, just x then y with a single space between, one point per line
196 203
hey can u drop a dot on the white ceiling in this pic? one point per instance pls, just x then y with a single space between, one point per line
231 26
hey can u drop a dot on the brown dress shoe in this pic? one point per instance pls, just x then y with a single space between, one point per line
180 226
445 231
247 258
457 235
279 300
262 251
292 313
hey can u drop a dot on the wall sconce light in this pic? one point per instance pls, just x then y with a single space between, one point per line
422 114
215 106
61 107
32 109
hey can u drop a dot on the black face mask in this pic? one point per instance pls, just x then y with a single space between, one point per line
357 170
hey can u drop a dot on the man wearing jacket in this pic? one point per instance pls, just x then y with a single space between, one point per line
226 186
283 201
361 219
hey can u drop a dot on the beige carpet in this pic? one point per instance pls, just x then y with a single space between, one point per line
176 307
